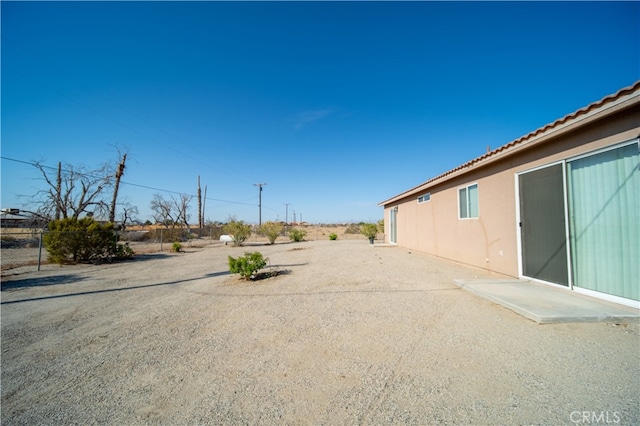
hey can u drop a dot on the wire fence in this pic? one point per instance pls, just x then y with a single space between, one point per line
21 249
27 249
24 250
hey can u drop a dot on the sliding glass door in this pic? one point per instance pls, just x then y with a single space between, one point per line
604 220
543 226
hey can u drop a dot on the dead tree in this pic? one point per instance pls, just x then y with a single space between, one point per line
128 212
163 211
74 191
182 206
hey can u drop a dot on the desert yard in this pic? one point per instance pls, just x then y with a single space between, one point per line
347 333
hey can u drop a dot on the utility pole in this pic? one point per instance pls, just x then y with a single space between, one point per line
286 213
204 201
294 216
286 218
259 185
199 205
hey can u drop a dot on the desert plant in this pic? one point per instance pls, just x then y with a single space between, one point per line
72 240
272 230
247 265
333 236
124 251
297 235
369 230
176 247
238 230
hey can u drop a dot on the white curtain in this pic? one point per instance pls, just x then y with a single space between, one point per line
604 210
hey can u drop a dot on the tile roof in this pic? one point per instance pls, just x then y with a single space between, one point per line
567 119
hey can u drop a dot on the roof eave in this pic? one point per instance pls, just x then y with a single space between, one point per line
623 99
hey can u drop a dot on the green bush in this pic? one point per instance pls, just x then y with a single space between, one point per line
176 247
73 240
297 235
333 236
123 251
238 230
248 265
369 230
272 230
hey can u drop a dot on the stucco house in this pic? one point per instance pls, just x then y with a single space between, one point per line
560 205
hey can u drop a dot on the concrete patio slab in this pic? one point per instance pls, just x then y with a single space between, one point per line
547 305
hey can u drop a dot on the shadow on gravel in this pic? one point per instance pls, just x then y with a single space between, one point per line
42 281
263 243
72 278
284 266
107 290
217 274
147 256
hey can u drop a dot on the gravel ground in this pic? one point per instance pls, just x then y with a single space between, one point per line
347 334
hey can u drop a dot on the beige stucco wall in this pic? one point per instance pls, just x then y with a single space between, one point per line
488 241
491 241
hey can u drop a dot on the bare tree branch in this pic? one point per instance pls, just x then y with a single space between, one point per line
128 214
162 211
74 191
182 206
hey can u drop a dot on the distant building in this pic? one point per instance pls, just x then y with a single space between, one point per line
560 205
14 218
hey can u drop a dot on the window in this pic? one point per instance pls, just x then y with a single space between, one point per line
468 202
424 198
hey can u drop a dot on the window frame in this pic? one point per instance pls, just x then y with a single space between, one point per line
468 203
421 199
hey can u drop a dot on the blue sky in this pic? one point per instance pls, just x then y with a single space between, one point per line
336 106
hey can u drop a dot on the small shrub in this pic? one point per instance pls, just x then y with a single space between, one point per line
333 236
176 247
272 230
123 251
247 265
369 230
297 235
238 230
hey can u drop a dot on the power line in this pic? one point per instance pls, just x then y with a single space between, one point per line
31 163
184 193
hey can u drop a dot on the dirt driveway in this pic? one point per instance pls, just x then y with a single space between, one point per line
350 334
